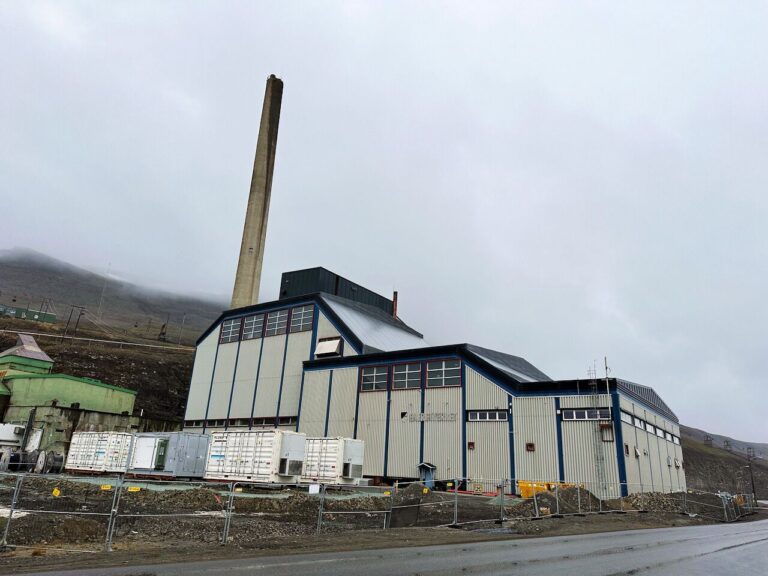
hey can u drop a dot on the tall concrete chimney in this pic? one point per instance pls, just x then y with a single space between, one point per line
248 278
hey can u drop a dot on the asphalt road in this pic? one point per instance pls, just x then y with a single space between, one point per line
739 548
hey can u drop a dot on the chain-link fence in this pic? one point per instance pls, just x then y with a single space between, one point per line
102 512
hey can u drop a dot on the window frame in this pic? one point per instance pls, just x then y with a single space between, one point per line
443 360
301 327
231 337
474 415
407 364
278 331
587 413
375 367
254 335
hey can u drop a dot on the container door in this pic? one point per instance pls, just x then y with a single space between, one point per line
144 453
161 453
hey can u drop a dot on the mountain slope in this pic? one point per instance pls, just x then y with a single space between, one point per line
28 277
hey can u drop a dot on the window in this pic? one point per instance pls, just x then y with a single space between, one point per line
301 318
487 416
239 422
374 378
263 422
626 418
668 436
230 330
406 376
286 420
606 432
530 447
443 373
659 432
253 327
677 463
591 414
277 323
626 449
327 347
676 440
650 428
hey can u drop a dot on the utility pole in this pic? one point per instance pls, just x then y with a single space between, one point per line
750 457
80 315
103 289
183 319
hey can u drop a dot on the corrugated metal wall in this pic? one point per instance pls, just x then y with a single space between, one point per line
341 420
489 460
269 377
533 420
245 379
404 435
298 351
442 440
371 428
587 459
314 402
201 377
222 381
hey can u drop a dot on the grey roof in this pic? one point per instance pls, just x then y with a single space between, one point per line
376 330
518 368
647 395
26 347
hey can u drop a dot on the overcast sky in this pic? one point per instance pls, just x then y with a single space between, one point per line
560 181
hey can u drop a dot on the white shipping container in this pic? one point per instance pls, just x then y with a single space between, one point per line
274 456
169 454
99 451
333 461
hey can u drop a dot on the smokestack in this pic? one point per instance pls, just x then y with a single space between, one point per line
394 304
248 278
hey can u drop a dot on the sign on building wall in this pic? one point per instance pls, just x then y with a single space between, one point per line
432 417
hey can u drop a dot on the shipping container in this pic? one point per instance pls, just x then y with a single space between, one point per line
272 456
99 451
333 461
169 454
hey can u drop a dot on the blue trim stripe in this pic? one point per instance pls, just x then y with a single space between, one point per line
210 388
619 442
357 404
463 420
421 410
312 348
232 388
328 403
559 426
282 373
386 427
256 383
511 430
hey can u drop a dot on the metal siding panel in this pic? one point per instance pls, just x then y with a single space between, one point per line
404 435
490 458
482 394
269 377
534 421
371 429
442 440
341 421
201 377
632 464
582 446
325 329
297 352
245 379
222 381
314 402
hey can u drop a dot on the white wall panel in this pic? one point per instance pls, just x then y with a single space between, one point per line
533 421
245 378
442 440
222 381
297 352
269 377
404 434
202 371
314 402
342 416
371 428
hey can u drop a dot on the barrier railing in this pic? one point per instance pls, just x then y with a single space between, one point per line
112 511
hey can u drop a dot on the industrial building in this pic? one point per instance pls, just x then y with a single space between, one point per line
47 407
331 365
332 358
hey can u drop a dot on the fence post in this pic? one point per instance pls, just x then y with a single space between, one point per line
388 517
535 502
501 499
320 509
578 497
455 502
14 502
113 514
557 499
228 513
